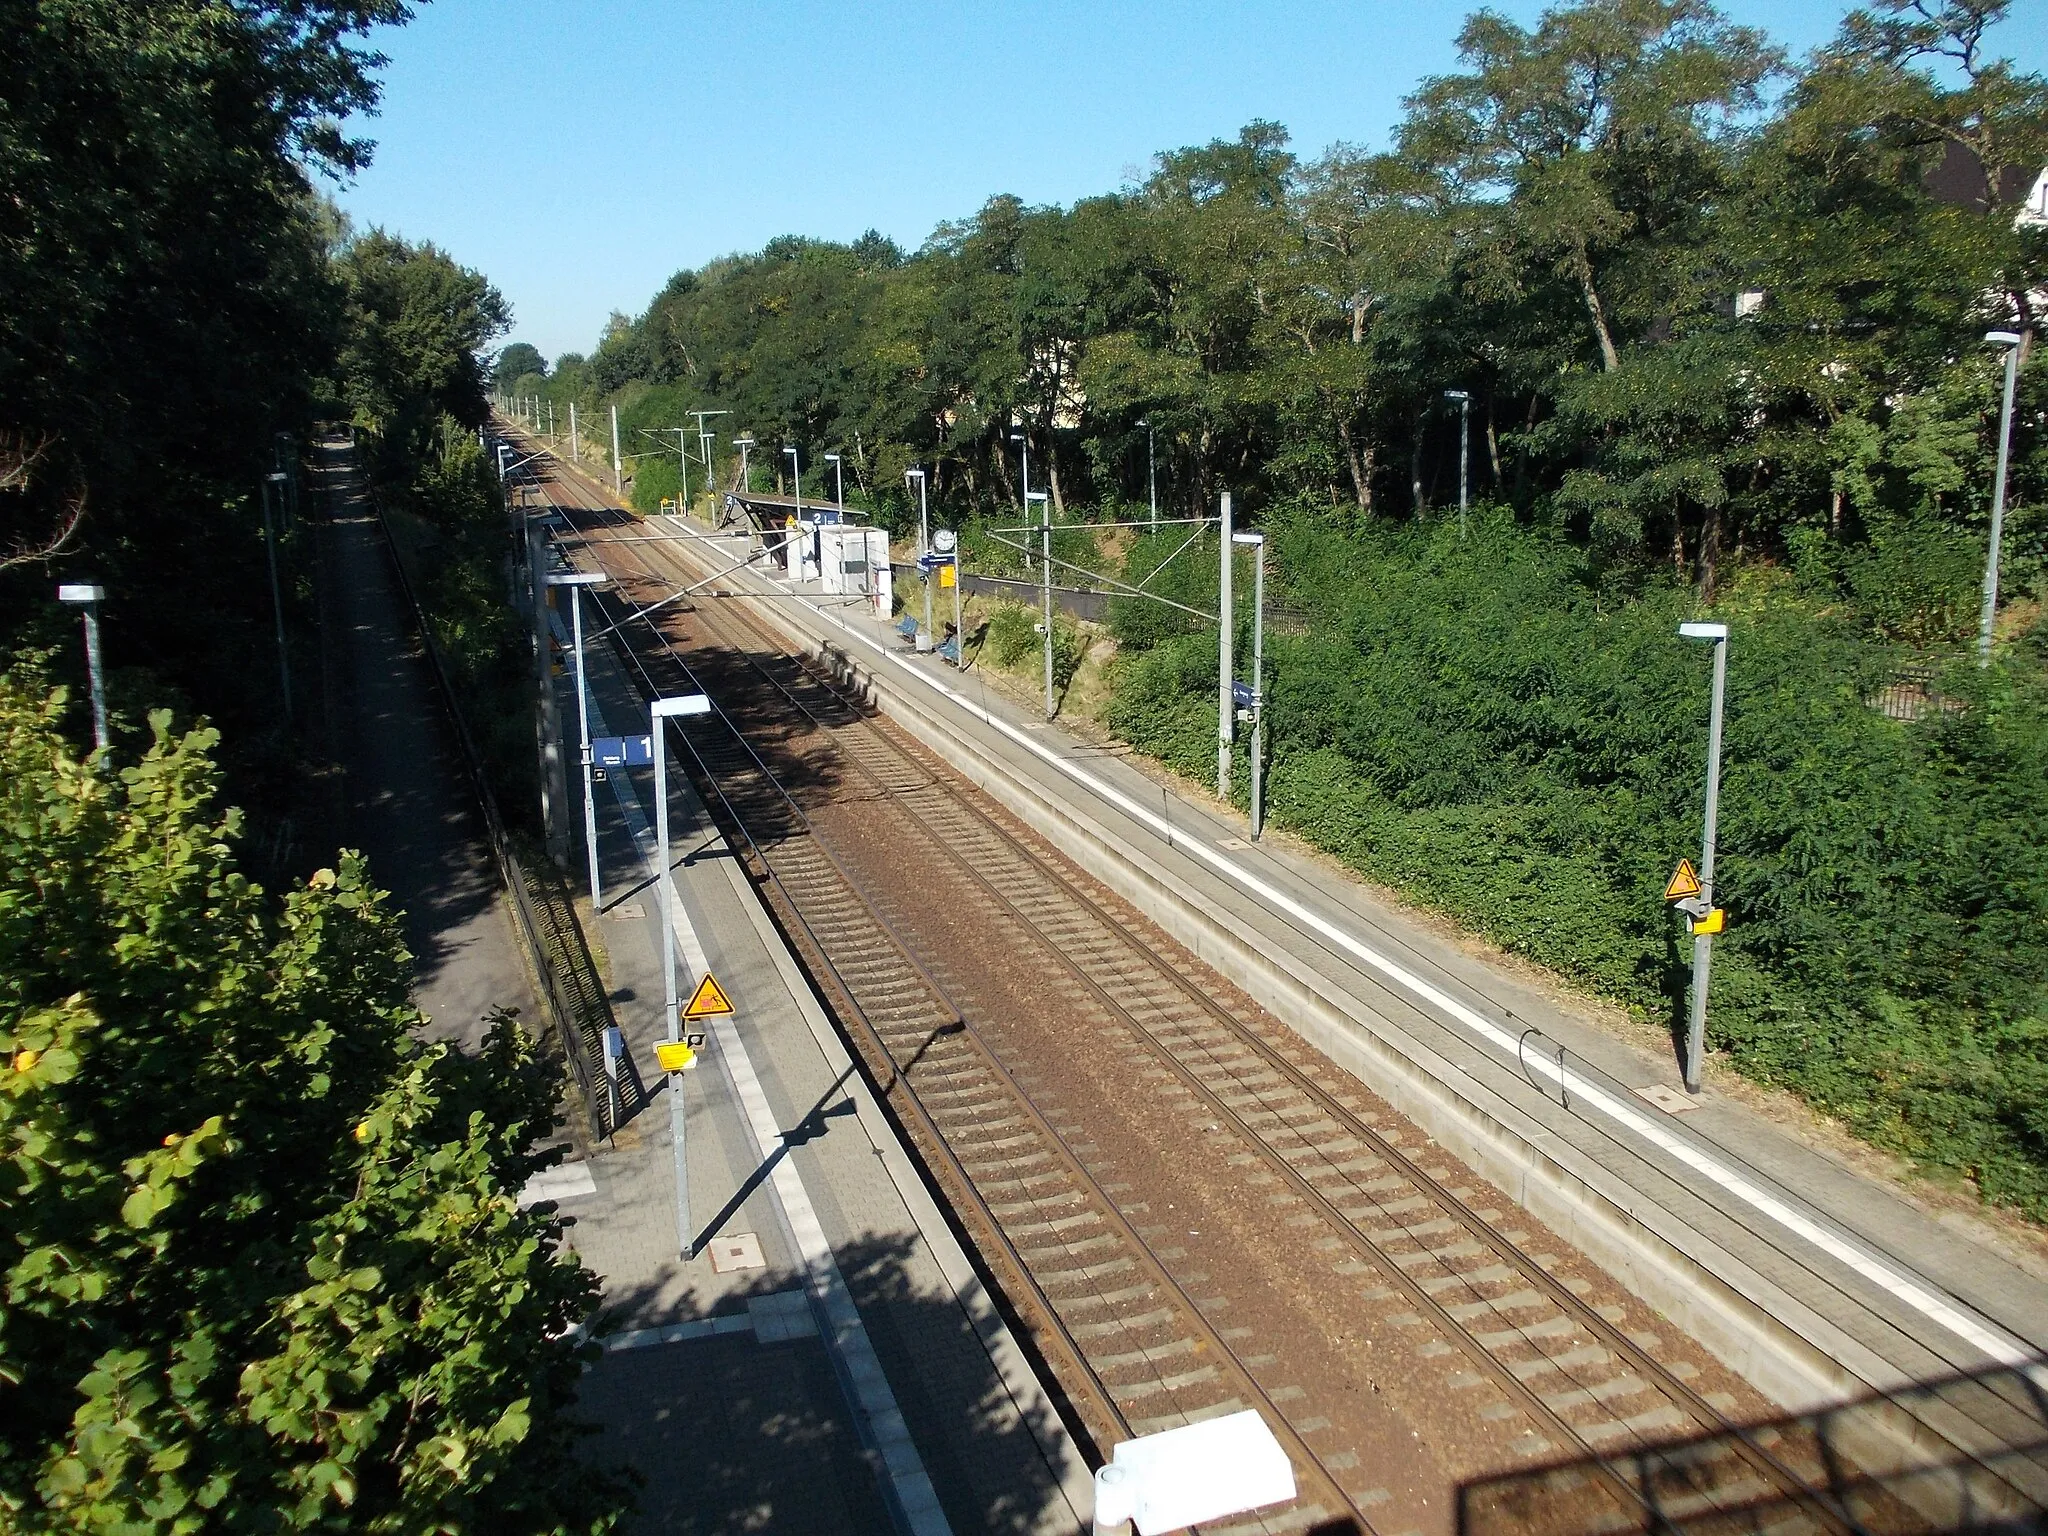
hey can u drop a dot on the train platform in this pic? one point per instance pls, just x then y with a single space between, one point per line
828 1360
1817 1283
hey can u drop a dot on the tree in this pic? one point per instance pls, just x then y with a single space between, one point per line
415 326
264 1268
516 361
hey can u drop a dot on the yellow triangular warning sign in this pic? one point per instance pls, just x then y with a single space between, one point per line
1685 881
710 998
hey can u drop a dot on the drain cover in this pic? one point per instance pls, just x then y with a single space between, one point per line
741 1250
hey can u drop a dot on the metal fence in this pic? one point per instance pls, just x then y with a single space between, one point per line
578 1010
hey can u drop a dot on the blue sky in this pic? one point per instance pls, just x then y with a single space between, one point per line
580 153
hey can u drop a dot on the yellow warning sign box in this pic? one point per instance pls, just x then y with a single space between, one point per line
1685 881
945 576
1714 922
709 1000
674 1056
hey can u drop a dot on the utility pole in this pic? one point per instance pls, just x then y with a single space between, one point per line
618 464
575 442
1703 927
284 666
924 552
1257 543
1151 472
1226 707
704 439
554 782
1045 552
88 596
672 1027
1464 399
2011 342
1024 444
576 581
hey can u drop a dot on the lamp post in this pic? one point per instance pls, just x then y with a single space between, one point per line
88 596
1702 939
705 438
554 781
576 581
1024 447
949 545
1256 706
575 441
924 550
838 482
2011 342
796 484
284 669
1464 399
745 446
618 464
1045 550
1151 472
675 707
1226 702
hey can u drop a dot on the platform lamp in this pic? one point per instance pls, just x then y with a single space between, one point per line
924 549
88 596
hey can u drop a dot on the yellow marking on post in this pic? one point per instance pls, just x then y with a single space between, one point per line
674 1056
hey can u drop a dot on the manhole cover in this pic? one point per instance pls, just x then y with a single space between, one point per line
629 909
1670 1100
741 1250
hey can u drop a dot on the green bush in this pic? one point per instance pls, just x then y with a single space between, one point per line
1011 634
1487 726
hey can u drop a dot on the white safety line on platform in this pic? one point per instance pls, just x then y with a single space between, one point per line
882 1421
1949 1312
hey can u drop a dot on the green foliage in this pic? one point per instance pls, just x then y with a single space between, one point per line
413 328
461 583
1011 634
264 1267
1483 725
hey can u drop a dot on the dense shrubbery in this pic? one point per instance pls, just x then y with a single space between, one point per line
1492 728
264 1266
461 579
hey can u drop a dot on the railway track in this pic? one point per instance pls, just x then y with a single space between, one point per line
1130 1344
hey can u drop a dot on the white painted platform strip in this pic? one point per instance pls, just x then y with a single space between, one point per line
1937 1306
874 1401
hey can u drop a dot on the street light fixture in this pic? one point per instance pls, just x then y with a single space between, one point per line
1715 634
2011 342
677 707
1255 697
88 596
838 481
1464 399
576 581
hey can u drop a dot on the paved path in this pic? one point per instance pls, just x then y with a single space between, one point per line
408 802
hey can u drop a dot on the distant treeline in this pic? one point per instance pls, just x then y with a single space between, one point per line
1707 305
